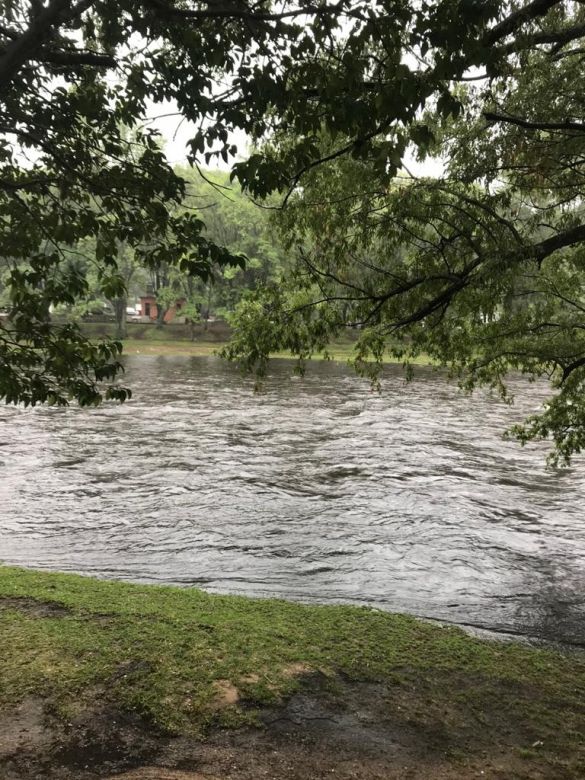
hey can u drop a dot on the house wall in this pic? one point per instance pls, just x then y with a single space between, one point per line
148 308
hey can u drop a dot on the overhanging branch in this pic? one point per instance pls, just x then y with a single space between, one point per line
516 19
232 11
536 252
76 57
528 125
40 30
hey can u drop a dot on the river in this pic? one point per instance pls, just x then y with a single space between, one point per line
316 489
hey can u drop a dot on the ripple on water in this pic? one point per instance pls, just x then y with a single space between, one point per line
316 490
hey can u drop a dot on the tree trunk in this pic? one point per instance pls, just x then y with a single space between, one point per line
208 307
160 315
119 305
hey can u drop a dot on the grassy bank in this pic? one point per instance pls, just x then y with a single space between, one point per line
187 660
339 351
146 339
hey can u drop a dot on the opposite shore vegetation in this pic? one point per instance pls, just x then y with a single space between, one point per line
175 340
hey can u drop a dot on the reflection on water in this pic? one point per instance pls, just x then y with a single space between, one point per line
315 490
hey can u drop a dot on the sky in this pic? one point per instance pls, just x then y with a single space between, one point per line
176 133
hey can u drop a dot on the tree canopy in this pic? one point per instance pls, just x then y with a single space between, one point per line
481 268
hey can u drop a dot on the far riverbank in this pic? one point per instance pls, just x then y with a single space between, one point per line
208 340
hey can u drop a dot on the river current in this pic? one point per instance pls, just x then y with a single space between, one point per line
316 489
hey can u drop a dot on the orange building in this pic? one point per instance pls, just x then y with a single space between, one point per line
149 308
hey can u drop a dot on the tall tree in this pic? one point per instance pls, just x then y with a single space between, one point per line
319 80
127 268
231 218
482 267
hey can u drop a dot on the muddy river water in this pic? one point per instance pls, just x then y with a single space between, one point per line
316 489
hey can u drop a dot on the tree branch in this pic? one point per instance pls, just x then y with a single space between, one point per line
525 123
40 30
568 370
73 57
537 252
248 14
76 57
570 237
559 38
26 184
509 25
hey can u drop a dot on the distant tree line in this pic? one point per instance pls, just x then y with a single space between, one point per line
482 267
230 218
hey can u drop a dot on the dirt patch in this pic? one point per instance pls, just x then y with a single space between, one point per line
226 694
332 727
297 670
34 608
357 731
23 729
106 736
100 740
159 773
250 679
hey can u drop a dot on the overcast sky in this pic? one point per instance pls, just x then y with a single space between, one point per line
176 132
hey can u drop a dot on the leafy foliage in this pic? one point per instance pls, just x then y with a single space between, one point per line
78 162
480 268
233 220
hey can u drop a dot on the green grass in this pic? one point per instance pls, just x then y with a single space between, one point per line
171 347
164 346
339 352
174 340
168 653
